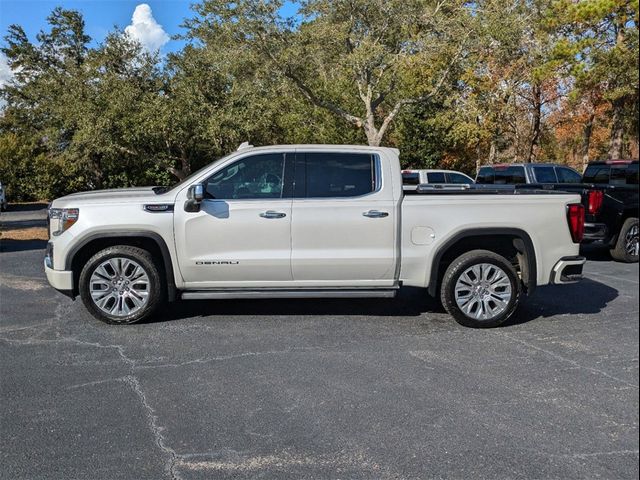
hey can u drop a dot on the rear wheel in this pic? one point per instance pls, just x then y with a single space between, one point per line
480 289
121 285
627 248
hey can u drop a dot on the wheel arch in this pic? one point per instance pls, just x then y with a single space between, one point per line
150 241
497 240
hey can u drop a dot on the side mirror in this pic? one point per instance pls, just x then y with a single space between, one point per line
195 195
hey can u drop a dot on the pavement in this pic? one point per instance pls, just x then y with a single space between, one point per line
315 389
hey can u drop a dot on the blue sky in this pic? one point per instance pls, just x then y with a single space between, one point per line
102 15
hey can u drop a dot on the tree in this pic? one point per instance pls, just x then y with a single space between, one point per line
361 60
600 42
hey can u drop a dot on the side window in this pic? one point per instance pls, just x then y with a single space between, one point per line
618 176
567 175
545 174
596 174
255 177
510 175
459 178
485 175
339 174
632 174
410 178
436 177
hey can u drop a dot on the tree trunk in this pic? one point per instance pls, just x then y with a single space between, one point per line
492 152
535 124
586 138
185 168
617 130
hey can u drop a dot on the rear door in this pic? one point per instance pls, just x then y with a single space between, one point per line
343 230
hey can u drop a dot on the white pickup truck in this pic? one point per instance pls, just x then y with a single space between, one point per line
310 221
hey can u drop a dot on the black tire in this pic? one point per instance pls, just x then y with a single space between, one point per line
458 267
627 242
145 260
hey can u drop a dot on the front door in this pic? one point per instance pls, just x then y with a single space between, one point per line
242 234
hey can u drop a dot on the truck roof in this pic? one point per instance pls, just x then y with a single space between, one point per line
613 162
522 164
316 146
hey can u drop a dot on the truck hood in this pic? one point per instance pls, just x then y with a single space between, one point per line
120 195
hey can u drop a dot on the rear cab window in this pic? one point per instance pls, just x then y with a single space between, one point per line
335 175
485 175
509 175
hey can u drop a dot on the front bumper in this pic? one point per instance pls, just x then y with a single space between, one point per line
61 280
567 270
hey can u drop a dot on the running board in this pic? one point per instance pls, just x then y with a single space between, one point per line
278 293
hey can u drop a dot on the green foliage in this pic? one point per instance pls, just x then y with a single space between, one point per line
452 84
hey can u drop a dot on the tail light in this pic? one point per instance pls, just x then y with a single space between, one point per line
595 198
575 218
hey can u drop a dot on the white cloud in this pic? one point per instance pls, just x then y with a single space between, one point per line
6 74
146 30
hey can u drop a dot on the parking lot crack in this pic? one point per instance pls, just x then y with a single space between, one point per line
222 358
566 360
156 429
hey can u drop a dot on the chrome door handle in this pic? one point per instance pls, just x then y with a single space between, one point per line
272 214
375 214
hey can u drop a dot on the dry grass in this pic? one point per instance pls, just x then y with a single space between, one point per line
22 234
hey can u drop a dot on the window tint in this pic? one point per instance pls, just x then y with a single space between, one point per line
545 174
632 174
436 177
459 178
618 175
259 176
339 174
410 178
509 175
485 175
596 174
567 175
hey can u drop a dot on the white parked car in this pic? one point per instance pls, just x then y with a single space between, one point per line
412 178
310 221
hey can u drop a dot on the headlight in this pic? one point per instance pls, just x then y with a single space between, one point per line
62 219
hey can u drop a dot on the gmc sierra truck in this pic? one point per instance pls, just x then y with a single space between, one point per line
311 221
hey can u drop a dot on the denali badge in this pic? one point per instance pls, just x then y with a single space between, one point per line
217 262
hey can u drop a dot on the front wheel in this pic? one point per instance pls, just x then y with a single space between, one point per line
627 247
480 289
121 285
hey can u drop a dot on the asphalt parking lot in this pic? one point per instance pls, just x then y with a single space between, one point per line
333 389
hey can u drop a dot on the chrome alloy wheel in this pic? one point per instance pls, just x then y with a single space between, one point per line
483 291
631 241
119 286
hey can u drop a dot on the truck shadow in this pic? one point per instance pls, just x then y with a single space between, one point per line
586 297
